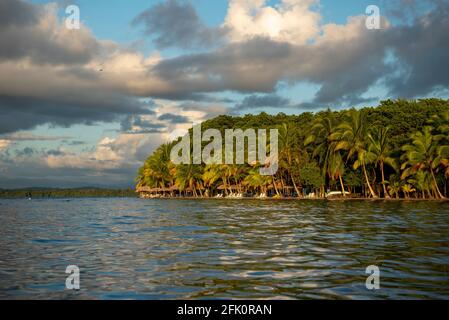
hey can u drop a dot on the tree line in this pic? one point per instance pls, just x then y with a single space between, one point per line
42 193
399 149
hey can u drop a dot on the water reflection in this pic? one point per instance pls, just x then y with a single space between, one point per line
170 249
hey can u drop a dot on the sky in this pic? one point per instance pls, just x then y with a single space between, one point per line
85 107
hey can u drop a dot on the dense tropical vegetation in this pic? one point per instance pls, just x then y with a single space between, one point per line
399 149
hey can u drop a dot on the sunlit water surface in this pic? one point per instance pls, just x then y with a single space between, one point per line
174 249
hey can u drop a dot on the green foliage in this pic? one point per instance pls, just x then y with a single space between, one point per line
310 175
400 148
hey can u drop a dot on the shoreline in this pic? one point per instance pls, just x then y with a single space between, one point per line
303 199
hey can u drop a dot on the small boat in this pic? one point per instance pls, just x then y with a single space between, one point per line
337 194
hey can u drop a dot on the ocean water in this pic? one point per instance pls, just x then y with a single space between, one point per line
222 249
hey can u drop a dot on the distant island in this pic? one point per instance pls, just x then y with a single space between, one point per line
398 150
42 193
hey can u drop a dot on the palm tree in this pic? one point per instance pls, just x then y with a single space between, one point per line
257 181
225 174
189 176
329 158
408 189
286 147
156 169
351 136
423 182
422 155
443 153
378 145
394 188
337 169
211 175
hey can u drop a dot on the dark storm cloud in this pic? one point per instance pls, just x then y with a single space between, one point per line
255 65
176 24
22 113
22 36
27 151
129 123
261 101
210 110
259 64
422 51
173 118
36 92
54 152
17 13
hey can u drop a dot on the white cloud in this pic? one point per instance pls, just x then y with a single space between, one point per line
291 21
110 153
4 144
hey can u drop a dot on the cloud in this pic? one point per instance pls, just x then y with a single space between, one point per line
109 154
52 75
4 144
263 101
421 54
17 13
173 118
113 162
32 31
345 60
259 64
27 151
54 152
176 24
26 136
135 124
71 77
292 21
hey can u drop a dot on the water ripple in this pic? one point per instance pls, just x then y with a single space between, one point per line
159 249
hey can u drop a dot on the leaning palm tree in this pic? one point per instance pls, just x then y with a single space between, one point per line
286 150
336 170
443 153
422 155
329 158
351 136
379 147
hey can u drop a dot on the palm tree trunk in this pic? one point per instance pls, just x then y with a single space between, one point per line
436 185
225 183
283 185
342 186
275 187
386 196
367 181
445 187
194 192
294 184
